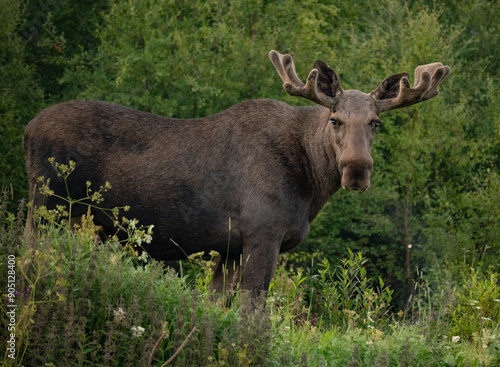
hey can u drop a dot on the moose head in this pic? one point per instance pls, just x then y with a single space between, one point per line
354 115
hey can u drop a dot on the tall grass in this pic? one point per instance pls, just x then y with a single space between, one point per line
85 302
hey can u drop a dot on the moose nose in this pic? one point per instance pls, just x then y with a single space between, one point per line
356 172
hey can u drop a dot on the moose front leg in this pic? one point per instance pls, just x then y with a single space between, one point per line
260 256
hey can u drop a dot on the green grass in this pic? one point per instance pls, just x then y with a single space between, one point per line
82 302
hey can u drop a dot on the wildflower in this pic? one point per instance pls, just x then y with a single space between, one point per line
445 337
143 257
486 318
137 331
119 314
132 223
485 340
478 307
377 335
475 336
455 339
497 300
195 255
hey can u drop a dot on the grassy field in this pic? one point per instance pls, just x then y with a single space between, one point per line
81 302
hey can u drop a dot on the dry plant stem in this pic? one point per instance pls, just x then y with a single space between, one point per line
174 356
156 347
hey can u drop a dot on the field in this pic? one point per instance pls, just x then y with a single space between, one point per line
81 302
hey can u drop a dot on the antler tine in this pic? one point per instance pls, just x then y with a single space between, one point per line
438 73
293 85
426 81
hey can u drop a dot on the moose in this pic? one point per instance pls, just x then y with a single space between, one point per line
246 182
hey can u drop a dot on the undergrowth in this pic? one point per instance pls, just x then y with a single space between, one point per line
82 301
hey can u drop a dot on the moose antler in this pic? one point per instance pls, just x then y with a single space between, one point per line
322 83
391 95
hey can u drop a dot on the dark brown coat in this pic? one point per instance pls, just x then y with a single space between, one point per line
263 165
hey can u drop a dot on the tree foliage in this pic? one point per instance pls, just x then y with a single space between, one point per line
18 91
435 188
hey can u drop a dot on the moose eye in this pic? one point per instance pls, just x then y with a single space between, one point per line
335 123
376 124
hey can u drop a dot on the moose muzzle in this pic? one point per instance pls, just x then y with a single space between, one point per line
355 172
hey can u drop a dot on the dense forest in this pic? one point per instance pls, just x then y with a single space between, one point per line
435 194
405 274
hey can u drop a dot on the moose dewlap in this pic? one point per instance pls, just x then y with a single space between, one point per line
267 166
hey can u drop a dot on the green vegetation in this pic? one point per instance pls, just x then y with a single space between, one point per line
82 302
428 228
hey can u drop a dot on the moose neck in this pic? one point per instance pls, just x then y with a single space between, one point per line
324 176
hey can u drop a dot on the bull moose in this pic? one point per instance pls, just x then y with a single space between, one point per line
265 166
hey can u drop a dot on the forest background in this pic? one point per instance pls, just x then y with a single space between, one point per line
435 194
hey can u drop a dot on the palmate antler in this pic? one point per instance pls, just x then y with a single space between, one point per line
322 83
391 95
323 87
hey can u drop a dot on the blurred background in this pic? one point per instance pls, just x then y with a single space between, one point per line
435 194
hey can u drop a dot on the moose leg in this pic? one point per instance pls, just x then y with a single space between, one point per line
226 276
30 230
259 262
75 221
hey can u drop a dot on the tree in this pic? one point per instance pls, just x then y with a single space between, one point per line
19 94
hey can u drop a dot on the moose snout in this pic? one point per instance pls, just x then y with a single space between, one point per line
355 172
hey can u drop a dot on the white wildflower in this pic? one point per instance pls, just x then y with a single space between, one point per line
455 339
119 314
137 331
132 223
486 318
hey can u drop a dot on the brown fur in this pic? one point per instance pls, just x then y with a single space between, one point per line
268 166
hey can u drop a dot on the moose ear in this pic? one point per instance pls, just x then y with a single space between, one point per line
328 82
389 87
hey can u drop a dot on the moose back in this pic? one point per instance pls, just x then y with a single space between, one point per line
263 166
